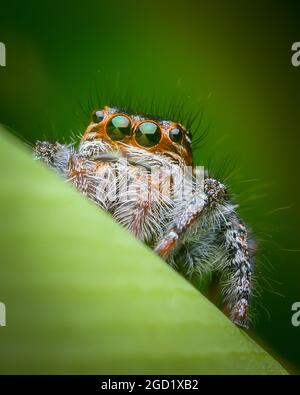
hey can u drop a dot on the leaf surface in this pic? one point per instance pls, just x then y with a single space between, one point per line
83 296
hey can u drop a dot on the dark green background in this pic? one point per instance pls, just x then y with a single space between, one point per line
232 60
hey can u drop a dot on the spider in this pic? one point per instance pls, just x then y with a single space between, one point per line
198 232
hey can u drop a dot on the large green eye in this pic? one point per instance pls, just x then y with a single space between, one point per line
148 134
176 135
98 116
118 127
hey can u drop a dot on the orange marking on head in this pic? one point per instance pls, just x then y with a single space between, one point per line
180 151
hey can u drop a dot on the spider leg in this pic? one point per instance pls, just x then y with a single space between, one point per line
142 206
133 206
55 155
83 173
180 226
239 268
213 192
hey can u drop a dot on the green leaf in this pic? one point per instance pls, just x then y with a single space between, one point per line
83 296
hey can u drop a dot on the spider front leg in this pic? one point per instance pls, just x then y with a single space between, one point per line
75 168
172 238
213 191
55 155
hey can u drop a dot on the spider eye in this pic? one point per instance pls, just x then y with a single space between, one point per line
148 134
98 116
118 127
176 135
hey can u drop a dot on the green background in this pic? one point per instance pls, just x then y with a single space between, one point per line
231 60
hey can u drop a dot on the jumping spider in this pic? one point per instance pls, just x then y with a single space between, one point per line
200 232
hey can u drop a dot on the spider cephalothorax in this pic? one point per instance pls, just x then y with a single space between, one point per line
139 168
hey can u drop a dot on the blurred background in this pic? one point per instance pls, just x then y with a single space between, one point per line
231 61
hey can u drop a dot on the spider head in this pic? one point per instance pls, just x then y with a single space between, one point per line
122 129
